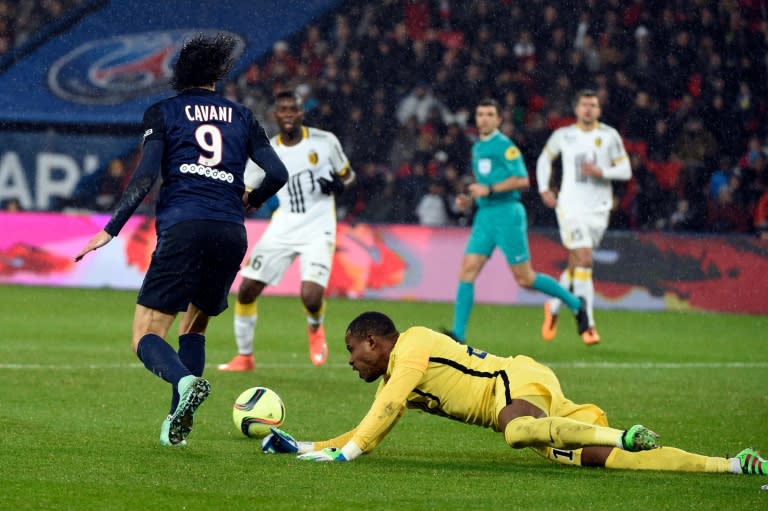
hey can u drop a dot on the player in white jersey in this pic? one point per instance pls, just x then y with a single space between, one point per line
304 226
592 155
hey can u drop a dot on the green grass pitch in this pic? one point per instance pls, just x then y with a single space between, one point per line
80 417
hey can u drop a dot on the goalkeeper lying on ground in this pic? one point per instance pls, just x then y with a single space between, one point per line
517 396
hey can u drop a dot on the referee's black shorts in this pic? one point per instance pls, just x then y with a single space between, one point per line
194 262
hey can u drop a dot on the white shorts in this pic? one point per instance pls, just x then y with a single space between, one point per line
271 257
583 229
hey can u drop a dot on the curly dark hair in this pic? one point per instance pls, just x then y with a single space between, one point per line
372 323
203 60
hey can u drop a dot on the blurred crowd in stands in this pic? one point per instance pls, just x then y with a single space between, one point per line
19 19
685 82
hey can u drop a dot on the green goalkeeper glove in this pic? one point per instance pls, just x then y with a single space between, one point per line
327 454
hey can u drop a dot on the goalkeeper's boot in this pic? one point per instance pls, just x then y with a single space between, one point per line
549 327
751 462
318 349
590 336
639 438
193 391
240 363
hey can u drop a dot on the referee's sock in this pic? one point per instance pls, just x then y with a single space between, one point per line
547 285
465 299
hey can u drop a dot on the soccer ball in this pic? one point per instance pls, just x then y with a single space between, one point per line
256 410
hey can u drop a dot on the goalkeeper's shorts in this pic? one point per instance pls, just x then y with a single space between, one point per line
537 384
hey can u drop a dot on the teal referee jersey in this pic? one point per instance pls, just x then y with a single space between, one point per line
500 220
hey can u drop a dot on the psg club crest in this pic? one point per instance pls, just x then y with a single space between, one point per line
121 68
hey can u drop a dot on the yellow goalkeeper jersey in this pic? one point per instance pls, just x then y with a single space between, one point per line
431 372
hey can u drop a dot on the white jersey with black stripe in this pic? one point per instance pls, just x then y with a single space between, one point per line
304 209
602 146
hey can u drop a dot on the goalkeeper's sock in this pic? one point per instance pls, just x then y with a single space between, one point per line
465 298
666 458
192 355
315 318
559 432
246 315
159 357
550 286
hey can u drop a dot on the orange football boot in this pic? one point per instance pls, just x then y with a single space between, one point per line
590 336
318 349
549 326
239 364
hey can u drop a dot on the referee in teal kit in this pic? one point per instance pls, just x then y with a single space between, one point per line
500 220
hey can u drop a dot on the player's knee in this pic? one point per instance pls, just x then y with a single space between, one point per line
519 432
583 258
312 296
524 279
249 290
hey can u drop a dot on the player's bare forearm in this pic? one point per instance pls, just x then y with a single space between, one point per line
549 199
99 240
512 183
463 202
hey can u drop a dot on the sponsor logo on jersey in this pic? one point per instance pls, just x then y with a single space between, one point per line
313 157
118 69
202 170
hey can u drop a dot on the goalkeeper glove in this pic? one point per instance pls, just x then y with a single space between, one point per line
331 186
279 442
327 454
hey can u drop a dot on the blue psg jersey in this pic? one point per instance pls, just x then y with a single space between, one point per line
207 140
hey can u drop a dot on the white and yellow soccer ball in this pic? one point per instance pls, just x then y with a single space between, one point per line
256 410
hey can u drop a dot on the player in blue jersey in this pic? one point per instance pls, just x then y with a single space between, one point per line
500 220
199 143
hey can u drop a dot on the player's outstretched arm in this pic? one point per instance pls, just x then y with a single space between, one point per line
99 240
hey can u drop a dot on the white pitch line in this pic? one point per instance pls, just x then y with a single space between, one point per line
556 365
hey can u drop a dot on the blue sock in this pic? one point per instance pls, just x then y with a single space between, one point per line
192 355
192 352
159 357
465 299
551 287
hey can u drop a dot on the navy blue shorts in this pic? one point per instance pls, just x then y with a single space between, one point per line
194 262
